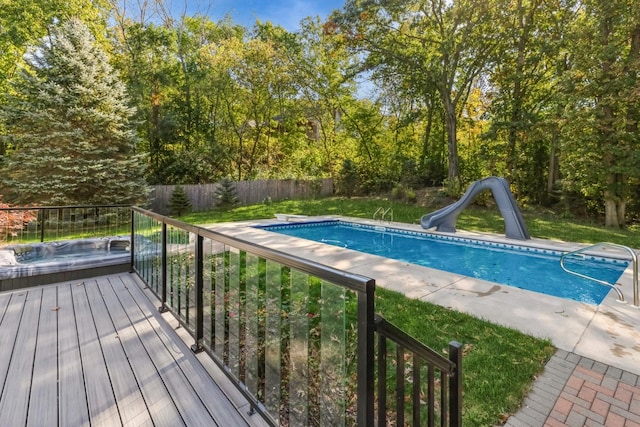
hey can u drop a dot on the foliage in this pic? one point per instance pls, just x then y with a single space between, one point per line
226 195
429 45
179 203
70 127
404 193
13 221
417 93
604 106
348 178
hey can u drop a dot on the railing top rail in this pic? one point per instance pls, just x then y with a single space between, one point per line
355 282
389 330
32 208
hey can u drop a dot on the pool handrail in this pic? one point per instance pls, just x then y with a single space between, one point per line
375 214
384 213
634 260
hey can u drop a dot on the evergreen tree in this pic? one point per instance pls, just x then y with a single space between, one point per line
226 194
69 127
179 202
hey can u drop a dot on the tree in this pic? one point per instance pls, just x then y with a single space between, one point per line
179 202
25 22
450 43
524 104
253 81
601 145
348 177
70 124
226 195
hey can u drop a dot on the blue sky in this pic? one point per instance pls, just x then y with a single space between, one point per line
287 13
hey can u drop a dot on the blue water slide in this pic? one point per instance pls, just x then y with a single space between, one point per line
445 219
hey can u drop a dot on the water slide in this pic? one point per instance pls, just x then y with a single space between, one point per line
445 219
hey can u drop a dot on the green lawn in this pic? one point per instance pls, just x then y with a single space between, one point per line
544 225
499 363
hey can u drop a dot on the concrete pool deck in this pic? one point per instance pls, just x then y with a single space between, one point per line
608 333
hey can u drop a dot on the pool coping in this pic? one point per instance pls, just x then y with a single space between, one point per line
609 332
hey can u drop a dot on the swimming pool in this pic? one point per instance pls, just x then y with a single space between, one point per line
522 267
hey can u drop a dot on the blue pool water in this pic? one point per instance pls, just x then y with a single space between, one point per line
522 267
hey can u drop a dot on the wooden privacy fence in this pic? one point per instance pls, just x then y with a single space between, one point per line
203 196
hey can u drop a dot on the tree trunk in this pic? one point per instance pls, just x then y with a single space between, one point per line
615 200
517 96
613 192
452 142
426 148
554 164
610 212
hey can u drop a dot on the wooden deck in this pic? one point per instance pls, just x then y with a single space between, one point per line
97 352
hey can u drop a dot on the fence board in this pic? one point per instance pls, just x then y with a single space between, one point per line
202 197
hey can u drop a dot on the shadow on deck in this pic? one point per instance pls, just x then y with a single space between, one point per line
97 352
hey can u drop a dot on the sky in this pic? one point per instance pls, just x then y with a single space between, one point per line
287 13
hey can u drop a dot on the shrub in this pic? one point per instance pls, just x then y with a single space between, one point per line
12 222
348 178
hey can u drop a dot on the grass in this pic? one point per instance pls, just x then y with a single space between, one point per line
541 224
500 364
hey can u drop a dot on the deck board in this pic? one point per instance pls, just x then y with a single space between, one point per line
74 410
43 405
194 412
224 416
133 409
8 325
97 352
161 406
13 406
103 410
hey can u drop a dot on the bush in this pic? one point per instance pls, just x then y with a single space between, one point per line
348 178
13 222
404 193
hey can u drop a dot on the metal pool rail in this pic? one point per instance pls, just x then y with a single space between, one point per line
634 260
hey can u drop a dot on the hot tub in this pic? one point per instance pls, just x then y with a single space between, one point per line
40 263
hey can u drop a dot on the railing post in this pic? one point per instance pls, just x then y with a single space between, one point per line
199 326
41 220
163 295
366 356
132 247
382 380
455 385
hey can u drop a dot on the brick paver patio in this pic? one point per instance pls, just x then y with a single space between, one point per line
577 391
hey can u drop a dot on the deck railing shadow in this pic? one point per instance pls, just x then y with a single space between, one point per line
297 338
